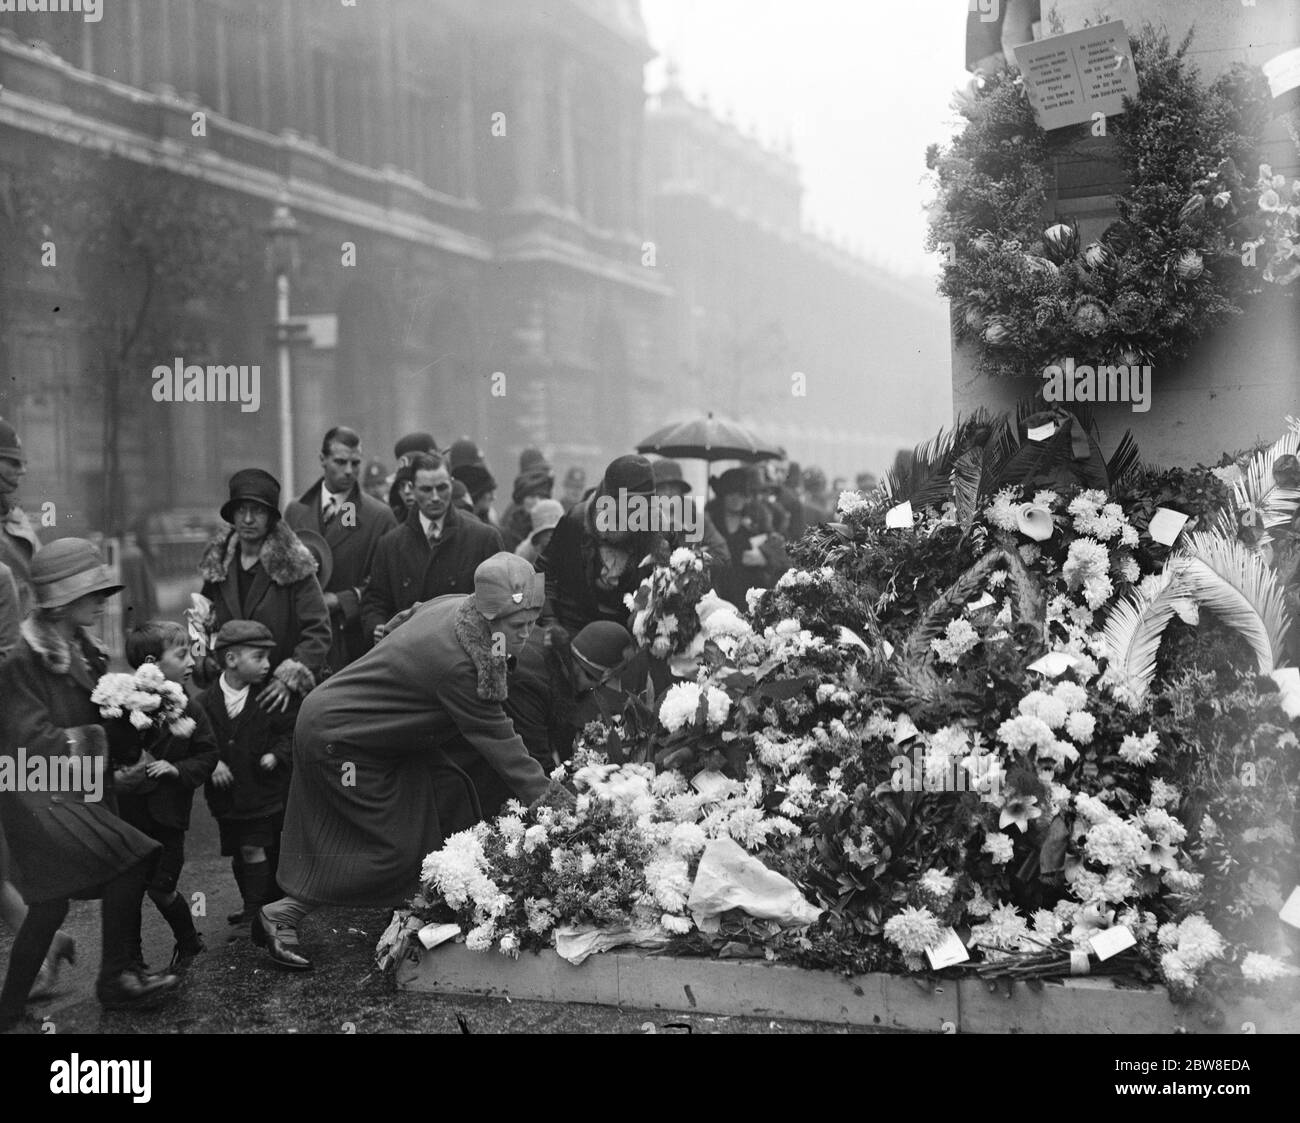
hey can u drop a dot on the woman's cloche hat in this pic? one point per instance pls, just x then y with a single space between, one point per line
68 569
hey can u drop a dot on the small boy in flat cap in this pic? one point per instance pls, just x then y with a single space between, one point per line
250 784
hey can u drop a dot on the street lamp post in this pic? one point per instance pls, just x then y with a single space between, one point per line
282 256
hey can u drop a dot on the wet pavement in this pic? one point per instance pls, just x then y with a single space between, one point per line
233 987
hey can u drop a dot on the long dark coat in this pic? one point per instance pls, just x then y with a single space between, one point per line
60 845
407 569
285 596
18 542
352 542
241 743
364 800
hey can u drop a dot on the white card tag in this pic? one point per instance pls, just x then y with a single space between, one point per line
1288 682
1112 941
947 951
1290 913
431 935
903 729
709 782
850 638
900 517
984 602
1166 526
1053 663
889 648
1042 432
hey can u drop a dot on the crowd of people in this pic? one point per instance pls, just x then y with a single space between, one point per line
387 661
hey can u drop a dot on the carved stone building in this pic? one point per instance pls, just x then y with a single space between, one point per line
474 183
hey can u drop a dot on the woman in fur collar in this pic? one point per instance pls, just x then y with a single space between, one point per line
65 838
369 777
261 571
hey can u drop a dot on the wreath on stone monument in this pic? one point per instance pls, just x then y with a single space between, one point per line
1198 234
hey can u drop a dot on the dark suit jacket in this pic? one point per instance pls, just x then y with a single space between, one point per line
241 744
406 570
353 537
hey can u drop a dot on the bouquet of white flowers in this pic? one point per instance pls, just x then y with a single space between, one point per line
146 698
664 616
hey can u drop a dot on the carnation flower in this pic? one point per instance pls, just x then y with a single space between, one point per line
913 930
1000 846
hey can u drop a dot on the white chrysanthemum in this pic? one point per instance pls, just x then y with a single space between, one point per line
668 783
1092 808
1117 887
1071 694
1183 882
681 558
1128 569
1162 794
1097 591
509 945
1023 733
1115 842
1163 826
1085 561
534 836
979 905
1004 509
480 938
679 706
1000 846
719 705
937 882
1046 498
850 503
1079 727
958 638
1047 925
687 840
1050 710
668 880
913 930
1176 970
539 915
1260 968
1005 929
1198 942
1140 750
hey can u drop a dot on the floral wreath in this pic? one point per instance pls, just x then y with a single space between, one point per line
1195 238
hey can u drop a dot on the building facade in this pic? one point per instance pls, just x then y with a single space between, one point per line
496 240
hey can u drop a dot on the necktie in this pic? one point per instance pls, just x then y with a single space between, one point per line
331 509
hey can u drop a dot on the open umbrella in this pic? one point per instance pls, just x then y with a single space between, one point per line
709 438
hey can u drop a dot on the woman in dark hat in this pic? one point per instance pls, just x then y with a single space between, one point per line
532 485
260 570
69 843
590 566
757 552
482 487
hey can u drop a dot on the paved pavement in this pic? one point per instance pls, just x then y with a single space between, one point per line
233 988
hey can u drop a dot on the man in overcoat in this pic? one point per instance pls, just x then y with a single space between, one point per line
352 523
367 759
433 553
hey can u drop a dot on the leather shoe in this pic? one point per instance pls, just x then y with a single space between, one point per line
264 935
185 951
132 989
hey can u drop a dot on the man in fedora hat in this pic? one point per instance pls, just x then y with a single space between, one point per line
383 720
69 843
18 540
351 523
260 570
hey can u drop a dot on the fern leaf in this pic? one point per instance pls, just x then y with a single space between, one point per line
1238 586
1125 462
1259 490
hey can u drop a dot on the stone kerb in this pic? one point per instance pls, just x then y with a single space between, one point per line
756 988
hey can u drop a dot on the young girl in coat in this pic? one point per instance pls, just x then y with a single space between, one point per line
67 844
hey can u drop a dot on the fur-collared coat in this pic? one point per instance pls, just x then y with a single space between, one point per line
61 846
369 780
284 595
352 542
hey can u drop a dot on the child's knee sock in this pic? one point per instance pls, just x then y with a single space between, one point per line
176 912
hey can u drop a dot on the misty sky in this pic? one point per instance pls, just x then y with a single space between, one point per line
862 86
